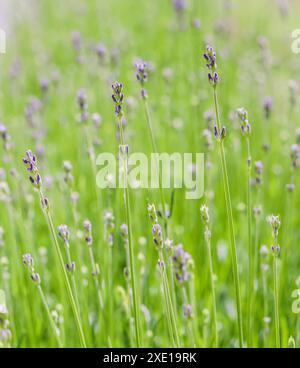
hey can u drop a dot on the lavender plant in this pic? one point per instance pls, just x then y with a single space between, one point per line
118 99
220 133
204 211
274 222
246 131
35 179
28 261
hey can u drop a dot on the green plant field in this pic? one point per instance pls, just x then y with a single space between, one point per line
121 288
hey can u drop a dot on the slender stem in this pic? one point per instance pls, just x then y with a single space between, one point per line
154 148
72 277
230 224
212 287
52 324
189 325
250 247
65 276
95 273
276 303
169 301
130 246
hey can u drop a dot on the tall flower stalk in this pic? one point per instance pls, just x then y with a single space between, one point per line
246 131
159 243
30 161
207 235
142 77
63 232
35 277
220 133
118 98
274 222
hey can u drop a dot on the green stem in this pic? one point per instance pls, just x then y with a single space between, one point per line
154 149
276 302
212 287
65 276
130 246
72 277
250 247
230 224
52 324
169 301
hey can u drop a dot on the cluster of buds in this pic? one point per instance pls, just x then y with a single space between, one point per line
152 212
258 168
83 106
44 86
204 211
100 51
31 109
297 133
30 162
220 134
5 332
29 263
118 98
57 315
156 228
274 222
109 227
267 106
142 75
211 57
295 155
187 311
68 177
157 236
5 137
293 89
179 5
88 232
76 43
244 122
124 233
64 234
181 264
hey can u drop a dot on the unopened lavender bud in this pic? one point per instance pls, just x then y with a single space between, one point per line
157 236
152 212
181 264
27 259
275 249
45 204
35 277
204 211
160 264
70 266
223 133
63 232
88 232
124 233
187 311
267 106
274 222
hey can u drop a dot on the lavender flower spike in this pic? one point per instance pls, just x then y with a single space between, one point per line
88 232
63 232
211 57
118 98
30 162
